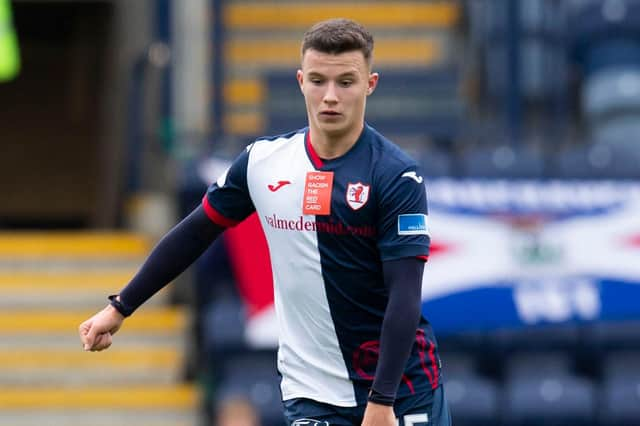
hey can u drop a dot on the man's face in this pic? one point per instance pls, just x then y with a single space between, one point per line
335 89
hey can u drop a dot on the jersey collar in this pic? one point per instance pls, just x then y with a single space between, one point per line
318 162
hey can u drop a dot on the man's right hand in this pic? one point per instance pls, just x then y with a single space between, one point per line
96 332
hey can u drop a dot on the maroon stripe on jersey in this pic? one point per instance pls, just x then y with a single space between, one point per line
434 366
409 384
365 360
424 258
422 341
315 158
215 216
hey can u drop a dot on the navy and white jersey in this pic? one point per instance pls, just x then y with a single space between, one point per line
330 297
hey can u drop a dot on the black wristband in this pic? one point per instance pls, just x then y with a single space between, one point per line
381 399
120 307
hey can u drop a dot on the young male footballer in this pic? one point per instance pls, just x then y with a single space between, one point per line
344 212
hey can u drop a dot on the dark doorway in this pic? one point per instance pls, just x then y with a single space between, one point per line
50 115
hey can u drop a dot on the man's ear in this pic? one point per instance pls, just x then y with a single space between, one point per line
299 77
372 83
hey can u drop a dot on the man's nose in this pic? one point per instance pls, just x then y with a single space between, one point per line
330 95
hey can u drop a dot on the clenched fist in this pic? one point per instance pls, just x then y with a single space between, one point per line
96 332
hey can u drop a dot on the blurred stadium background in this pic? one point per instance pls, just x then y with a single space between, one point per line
115 115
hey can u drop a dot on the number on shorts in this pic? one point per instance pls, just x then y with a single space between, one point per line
412 419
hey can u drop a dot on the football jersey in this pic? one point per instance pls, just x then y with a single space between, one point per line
329 225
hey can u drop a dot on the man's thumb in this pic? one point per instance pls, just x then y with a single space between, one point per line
89 337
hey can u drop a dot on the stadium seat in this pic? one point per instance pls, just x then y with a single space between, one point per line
618 134
614 89
624 363
576 163
620 402
597 161
602 33
458 363
564 337
502 161
551 400
526 364
540 49
473 342
254 376
473 399
224 327
615 336
435 163
542 388
612 106
621 389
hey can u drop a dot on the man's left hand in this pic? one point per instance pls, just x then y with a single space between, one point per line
378 415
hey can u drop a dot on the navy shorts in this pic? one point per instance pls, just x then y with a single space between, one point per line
417 410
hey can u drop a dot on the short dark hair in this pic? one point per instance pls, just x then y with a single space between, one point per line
339 35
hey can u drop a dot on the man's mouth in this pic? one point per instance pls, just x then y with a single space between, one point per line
330 113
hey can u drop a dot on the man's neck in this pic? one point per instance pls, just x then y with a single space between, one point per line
329 146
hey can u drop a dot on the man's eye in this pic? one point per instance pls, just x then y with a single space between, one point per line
346 83
316 81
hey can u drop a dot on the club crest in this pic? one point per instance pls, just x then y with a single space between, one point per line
357 195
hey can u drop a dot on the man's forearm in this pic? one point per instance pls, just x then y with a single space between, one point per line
403 278
178 249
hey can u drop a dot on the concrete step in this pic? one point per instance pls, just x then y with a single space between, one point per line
82 417
50 283
177 398
147 320
122 340
66 289
20 366
295 16
64 300
96 280
61 245
50 265
396 51
71 289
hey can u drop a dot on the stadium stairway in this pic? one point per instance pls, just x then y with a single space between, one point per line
264 37
50 283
